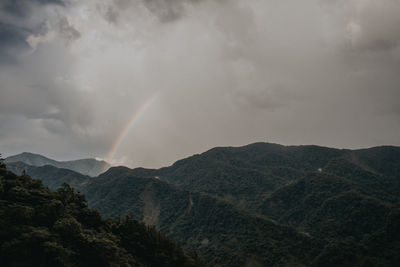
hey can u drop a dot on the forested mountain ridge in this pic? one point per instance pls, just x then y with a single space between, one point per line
40 227
217 230
265 204
198 221
247 175
51 176
91 167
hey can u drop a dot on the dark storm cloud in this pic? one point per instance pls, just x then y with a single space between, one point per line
165 10
16 25
67 31
12 39
23 8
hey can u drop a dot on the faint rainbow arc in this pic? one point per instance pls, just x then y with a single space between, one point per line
135 117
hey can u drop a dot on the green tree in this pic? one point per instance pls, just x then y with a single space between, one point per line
2 165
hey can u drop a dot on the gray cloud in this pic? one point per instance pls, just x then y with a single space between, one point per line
68 31
112 14
165 10
12 39
18 20
219 73
375 25
23 8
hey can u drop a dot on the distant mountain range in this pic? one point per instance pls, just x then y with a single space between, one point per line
261 204
91 167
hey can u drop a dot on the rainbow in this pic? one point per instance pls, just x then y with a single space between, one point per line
135 118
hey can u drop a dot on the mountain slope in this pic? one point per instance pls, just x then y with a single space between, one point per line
50 176
214 228
91 167
332 207
40 227
246 175
31 159
323 204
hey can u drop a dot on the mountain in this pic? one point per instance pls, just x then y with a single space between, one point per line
264 204
31 159
244 175
40 227
91 167
329 205
247 175
319 219
219 232
225 237
50 176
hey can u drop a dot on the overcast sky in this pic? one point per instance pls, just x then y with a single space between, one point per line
219 72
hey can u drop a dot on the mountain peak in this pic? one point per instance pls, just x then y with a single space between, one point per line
87 166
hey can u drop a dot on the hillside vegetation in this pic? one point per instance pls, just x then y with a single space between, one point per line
263 204
221 233
40 227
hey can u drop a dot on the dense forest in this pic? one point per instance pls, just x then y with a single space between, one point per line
41 227
259 205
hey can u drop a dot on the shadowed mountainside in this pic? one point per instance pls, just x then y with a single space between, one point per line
40 227
221 233
247 175
265 204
